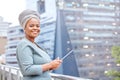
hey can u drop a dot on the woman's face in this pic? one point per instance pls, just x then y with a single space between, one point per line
32 28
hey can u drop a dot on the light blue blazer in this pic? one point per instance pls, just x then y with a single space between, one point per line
30 58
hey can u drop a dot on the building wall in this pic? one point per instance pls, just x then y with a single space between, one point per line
3 34
15 34
93 28
48 25
31 4
3 42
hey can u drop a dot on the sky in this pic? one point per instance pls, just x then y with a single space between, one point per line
10 9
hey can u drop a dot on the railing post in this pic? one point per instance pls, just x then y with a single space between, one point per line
9 74
0 73
18 75
3 73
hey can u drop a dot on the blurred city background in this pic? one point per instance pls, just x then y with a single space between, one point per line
88 27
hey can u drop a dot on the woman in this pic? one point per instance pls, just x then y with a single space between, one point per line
34 63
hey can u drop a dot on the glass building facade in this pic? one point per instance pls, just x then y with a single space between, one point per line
3 34
93 27
3 27
46 38
14 35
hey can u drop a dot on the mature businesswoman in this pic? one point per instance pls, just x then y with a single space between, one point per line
34 63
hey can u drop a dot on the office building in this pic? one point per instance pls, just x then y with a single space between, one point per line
51 37
93 27
31 4
3 34
14 35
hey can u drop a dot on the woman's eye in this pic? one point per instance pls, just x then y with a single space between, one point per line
34 25
38 26
31 25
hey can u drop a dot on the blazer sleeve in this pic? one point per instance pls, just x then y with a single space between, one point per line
25 60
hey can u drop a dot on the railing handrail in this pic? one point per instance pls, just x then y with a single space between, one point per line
16 71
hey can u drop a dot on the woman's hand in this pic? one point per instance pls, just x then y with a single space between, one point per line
55 63
52 65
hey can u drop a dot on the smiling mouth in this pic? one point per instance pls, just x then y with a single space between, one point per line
35 32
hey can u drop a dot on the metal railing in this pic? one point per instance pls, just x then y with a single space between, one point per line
13 73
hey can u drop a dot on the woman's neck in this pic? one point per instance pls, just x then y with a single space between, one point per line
30 39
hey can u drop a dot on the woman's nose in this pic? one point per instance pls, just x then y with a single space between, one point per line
35 27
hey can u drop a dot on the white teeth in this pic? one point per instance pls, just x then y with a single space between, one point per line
35 32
